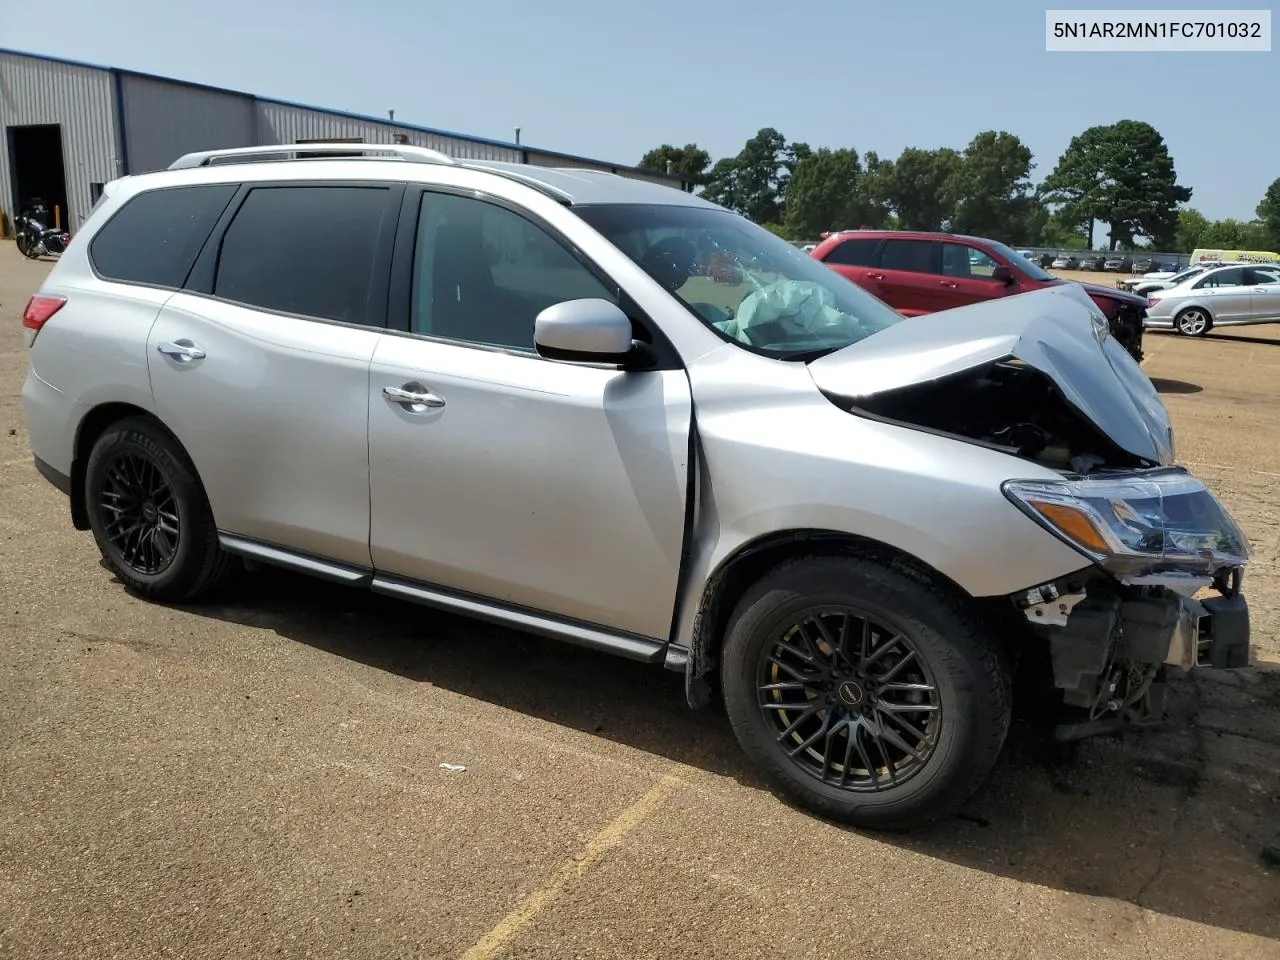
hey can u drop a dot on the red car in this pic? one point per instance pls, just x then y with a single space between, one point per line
919 273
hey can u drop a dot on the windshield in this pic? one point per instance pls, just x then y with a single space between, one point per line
1029 267
748 285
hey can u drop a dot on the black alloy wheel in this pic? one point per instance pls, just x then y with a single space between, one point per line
852 701
150 515
140 508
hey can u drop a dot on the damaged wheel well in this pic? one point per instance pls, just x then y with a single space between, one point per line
754 560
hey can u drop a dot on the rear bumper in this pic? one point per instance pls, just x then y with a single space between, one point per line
59 479
52 417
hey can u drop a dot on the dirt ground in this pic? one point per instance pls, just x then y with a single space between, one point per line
264 778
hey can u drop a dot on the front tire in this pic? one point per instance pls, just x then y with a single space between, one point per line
1193 322
865 691
149 514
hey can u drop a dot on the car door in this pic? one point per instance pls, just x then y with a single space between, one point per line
967 276
909 275
1226 294
261 365
542 485
1264 299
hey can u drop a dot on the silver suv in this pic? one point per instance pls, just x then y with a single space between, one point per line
613 413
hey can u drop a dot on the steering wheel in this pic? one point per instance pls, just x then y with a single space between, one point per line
671 261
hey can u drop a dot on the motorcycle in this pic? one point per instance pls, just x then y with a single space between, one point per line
34 239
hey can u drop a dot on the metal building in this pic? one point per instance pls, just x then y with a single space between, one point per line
71 127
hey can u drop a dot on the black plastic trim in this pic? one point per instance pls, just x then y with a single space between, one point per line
56 477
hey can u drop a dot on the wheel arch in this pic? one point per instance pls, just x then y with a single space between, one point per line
754 559
92 426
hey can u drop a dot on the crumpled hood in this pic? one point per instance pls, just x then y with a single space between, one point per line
1054 330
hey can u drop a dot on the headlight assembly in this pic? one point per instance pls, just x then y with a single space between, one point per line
1136 524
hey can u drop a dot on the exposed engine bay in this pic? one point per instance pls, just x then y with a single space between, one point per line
1007 405
1110 646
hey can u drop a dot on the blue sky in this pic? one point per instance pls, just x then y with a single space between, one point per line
611 79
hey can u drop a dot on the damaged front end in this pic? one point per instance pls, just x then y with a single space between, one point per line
1041 377
1164 590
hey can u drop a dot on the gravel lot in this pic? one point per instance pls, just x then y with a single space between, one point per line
263 779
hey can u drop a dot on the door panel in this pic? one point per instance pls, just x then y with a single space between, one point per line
1264 304
908 275
1226 295
551 486
274 414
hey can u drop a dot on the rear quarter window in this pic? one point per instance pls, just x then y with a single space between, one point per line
156 236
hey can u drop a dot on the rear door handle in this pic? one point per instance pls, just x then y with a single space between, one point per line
184 351
413 395
875 276
947 283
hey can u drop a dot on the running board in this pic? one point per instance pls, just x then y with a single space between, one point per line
626 645
278 557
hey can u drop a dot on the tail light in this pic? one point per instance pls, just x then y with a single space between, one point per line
39 309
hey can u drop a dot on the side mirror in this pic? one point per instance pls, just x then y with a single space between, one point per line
1004 275
586 331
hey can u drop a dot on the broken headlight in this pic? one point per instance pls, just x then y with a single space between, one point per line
1134 524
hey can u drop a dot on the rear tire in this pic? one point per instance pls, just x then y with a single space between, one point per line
150 516
898 727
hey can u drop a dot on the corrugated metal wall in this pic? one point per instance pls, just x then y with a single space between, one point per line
162 121
284 123
82 101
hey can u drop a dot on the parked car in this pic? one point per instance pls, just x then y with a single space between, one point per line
1091 263
1066 262
1039 259
918 273
509 391
1118 264
1144 286
1144 265
1219 297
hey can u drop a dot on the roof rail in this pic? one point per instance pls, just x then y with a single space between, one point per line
399 151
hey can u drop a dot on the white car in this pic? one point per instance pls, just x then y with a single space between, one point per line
1219 297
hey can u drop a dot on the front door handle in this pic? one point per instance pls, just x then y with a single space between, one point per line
875 276
948 283
184 351
413 395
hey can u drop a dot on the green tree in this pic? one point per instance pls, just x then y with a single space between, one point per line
754 182
689 161
1191 226
1123 175
874 189
823 193
1223 234
921 188
1065 234
1269 213
991 188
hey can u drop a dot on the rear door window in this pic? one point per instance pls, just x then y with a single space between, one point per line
858 252
304 250
915 256
156 236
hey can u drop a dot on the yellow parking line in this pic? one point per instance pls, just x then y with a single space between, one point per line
596 847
